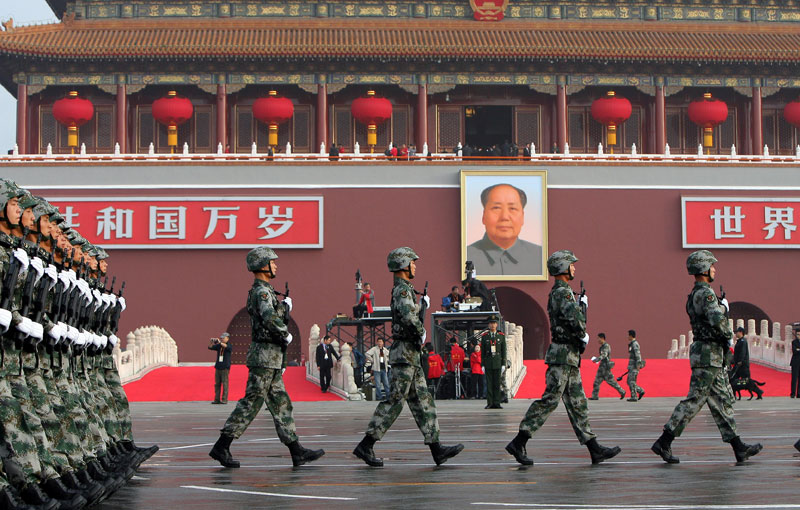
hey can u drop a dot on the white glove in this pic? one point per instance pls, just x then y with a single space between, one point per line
26 326
288 302
72 277
97 296
64 329
288 339
113 299
38 265
585 339
122 303
585 301
82 338
84 288
724 303
64 277
283 371
5 319
22 256
502 370
57 331
37 330
424 336
72 334
103 341
427 300
114 340
51 272
594 359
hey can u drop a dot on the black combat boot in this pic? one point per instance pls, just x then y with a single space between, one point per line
302 455
67 499
622 395
744 451
442 453
221 452
32 495
364 452
797 445
147 452
599 452
517 448
9 499
663 447
109 484
92 491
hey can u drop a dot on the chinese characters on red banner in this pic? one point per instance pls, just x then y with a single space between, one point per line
740 222
196 222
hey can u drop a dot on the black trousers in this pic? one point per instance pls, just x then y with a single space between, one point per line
795 391
324 378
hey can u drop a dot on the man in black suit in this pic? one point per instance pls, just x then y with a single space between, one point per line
795 364
325 355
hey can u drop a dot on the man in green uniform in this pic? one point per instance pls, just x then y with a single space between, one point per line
635 363
408 379
266 362
493 352
604 369
563 376
709 383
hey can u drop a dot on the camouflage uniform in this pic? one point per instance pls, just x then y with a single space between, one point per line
635 363
408 380
709 383
265 360
563 377
604 367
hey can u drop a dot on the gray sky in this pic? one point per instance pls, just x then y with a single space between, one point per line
26 12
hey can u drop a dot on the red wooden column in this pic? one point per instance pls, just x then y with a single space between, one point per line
561 113
322 116
422 116
758 138
22 118
122 117
661 118
222 115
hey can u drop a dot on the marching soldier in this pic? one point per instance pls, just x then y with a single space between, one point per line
563 377
408 380
266 362
604 366
709 383
635 363
493 352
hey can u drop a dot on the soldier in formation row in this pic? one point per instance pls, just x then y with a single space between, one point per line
65 424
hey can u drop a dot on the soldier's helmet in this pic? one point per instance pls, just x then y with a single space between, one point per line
400 258
43 208
27 201
259 257
9 190
558 263
700 262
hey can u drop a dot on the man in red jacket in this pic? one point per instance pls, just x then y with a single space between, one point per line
435 369
456 364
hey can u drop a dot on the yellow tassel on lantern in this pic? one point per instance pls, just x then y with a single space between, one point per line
172 135
372 134
72 136
612 134
708 136
272 139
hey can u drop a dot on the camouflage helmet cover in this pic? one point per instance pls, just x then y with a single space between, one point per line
400 258
9 190
559 262
700 262
43 208
259 257
101 253
27 201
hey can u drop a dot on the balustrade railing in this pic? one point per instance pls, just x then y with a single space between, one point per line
147 348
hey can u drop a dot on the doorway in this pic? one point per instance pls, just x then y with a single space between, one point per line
486 126
240 330
521 309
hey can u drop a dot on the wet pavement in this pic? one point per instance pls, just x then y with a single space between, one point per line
181 475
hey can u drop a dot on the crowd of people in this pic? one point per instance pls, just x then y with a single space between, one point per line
65 425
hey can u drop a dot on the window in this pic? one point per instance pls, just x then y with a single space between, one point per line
199 131
296 131
99 134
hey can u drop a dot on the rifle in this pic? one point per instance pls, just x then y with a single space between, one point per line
623 375
582 347
9 285
114 322
423 306
28 289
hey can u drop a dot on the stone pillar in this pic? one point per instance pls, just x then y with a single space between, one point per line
756 122
122 118
422 116
22 118
222 115
661 118
322 116
561 113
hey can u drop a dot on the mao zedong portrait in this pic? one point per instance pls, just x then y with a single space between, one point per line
501 251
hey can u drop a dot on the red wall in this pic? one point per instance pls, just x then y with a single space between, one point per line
628 242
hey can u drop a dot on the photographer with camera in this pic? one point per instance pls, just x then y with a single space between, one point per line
222 366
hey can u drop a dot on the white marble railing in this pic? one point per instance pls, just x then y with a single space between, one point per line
774 351
342 376
147 348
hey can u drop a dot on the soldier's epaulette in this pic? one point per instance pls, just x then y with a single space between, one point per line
501 333
484 333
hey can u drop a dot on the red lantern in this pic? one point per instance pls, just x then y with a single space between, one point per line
791 112
371 110
273 110
708 113
73 112
611 111
172 111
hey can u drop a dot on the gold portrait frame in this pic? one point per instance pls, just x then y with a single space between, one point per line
534 184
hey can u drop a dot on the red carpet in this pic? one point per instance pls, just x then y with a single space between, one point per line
660 378
181 384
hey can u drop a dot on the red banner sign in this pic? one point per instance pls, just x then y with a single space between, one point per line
740 222
196 222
